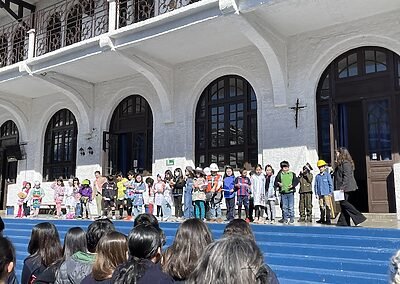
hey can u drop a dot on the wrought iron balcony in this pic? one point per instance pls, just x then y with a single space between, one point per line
72 21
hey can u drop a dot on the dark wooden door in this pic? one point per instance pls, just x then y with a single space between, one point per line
379 145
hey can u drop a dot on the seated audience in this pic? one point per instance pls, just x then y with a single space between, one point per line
7 259
77 267
144 243
238 227
233 260
74 241
44 249
111 251
190 241
1 226
150 219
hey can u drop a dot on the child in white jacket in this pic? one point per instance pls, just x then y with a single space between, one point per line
271 195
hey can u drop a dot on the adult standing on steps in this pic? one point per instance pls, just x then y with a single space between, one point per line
98 190
345 181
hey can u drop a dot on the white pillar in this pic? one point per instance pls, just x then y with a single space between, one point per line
31 43
112 15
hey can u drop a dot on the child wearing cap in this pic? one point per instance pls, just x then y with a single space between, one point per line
305 203
286 182
323 189
214 194
86 197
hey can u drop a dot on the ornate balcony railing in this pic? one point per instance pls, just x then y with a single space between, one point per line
14 41
133 11
69 22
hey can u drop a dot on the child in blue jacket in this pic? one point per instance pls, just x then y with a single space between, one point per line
323 189
229 193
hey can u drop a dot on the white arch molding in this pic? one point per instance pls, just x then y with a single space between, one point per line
15 114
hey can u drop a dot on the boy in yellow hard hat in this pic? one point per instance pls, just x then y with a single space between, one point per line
323 189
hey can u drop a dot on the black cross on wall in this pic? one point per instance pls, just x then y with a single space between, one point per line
296 109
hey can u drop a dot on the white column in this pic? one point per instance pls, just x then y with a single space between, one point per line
31 43
112 15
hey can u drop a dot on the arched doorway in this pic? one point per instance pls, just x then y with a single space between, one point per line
357 103
59 158
130 140
10 153
226 124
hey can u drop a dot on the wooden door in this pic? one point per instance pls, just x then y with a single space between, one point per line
379 146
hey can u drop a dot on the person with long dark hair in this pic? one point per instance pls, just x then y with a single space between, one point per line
74 241
229 193
44 249
7 259
111 252
79 265
144 245
190 241
345 181
178 183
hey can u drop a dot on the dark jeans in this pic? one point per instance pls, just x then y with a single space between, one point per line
251 208
27 209
178 206
243 199
230 208
349 211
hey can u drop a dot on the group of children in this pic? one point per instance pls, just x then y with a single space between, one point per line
196 193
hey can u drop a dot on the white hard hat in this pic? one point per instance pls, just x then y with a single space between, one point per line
214 167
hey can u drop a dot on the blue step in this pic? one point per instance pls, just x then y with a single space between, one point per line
297 254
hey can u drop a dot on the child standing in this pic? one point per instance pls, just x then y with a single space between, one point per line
70 199
129 194
168 201
177 192
149 204
86 197
121 190
229 193
109 196
271 194
59 191
23 199
323 188
159 188
258 192
286 181
139 188
214 193
305 203
242 187
37 194
199 195
77 197
188 202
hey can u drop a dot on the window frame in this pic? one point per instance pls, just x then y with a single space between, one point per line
249 147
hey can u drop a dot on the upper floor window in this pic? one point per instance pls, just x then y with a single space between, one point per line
8 129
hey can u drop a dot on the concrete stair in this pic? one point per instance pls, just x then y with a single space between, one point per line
298 254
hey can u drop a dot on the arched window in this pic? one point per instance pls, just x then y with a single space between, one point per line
54 32
60 146
347 66
9 130
130 140
226 123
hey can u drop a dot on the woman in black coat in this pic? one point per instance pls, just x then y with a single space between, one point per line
345 181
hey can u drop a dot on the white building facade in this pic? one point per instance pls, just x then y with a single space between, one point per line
210 81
